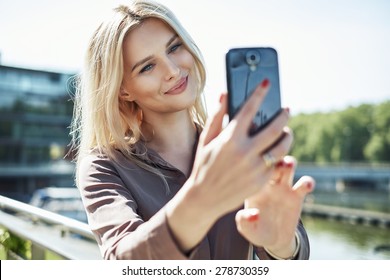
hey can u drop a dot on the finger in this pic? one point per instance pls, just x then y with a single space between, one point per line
287 171
248 215
246 218
283 174
304 186
248 111
273 132
213 125
279 149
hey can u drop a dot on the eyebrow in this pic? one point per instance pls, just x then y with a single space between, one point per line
150 56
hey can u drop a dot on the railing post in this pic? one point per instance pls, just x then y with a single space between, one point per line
37 252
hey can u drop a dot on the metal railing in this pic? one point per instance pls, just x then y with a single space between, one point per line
47 232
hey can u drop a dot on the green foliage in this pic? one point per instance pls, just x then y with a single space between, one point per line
356 134
15 244
378 148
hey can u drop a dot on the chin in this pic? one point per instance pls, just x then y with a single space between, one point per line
182 103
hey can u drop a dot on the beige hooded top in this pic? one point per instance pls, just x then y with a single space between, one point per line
125 208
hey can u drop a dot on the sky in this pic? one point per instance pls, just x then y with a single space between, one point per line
332 53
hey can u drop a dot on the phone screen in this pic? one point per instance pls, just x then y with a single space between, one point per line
246 68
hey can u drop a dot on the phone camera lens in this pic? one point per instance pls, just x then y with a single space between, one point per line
252 58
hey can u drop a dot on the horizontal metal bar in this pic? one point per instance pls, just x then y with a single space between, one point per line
37 214
49 238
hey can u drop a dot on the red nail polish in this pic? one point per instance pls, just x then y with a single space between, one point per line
309 185
253 217
265 83
280 163
290 164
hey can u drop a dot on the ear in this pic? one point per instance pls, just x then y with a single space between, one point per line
124 95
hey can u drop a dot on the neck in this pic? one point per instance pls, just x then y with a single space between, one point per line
171 132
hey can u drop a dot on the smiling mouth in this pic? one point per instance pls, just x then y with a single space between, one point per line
179 87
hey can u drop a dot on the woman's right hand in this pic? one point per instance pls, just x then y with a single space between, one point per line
228 168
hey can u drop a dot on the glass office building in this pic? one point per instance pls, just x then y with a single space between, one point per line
35 114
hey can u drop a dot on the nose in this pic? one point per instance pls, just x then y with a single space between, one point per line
172 69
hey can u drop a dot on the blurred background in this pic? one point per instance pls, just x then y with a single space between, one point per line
334 68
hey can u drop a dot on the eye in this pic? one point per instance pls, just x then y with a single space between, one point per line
147 68
175 47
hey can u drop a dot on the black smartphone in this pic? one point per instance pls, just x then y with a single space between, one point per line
246 68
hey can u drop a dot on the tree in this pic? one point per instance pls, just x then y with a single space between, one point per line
356 134
378 148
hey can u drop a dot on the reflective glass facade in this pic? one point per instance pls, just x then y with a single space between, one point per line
35 114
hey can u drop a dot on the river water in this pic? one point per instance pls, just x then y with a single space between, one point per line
336 240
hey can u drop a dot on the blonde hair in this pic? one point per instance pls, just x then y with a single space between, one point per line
97 104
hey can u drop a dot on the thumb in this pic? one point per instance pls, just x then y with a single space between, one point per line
247 218
213 125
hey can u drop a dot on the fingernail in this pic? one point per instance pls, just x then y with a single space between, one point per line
280 163
309 185
290 164
265 83
253 217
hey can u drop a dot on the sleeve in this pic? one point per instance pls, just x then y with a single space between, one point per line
304 250
112 215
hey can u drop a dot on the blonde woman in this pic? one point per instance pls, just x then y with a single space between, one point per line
157 180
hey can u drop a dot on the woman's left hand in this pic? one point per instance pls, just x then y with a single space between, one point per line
271 216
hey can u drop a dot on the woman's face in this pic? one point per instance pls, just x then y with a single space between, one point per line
158 69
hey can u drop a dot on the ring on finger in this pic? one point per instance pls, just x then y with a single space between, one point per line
269 159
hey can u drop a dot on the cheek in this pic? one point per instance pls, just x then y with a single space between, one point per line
189 61
193 74
142 88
